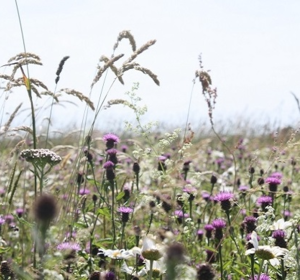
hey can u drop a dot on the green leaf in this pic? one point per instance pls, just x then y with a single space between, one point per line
104 212
81 225
24 222
120 195
4 250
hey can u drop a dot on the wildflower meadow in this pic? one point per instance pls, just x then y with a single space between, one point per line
142 202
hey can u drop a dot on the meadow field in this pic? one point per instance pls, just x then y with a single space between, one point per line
144 201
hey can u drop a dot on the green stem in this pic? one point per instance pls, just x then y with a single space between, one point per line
33 118
212 188
137 177
282 270
41 180
221 261
252 266
122 236
113 212
260 269
297 254
231 233
151 270
150 222
191 208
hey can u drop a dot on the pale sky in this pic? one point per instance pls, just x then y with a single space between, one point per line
250 47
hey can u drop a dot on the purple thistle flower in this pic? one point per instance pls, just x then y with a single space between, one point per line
125 213
108 165
9 218
273 180
200 234
68 246
243 212
279 236
20 212
219 161
264 201
205 196
112 151
279 233
191 191
124 209
224 198
180 215
124 148
219 223
243 188
110 140
262 276
111 137
273 183
250 223
2 221
208 228
277 175
84 191
162 158
287 214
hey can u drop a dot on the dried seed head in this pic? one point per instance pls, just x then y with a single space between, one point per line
5 269
61 65
205 272
95 275
45 208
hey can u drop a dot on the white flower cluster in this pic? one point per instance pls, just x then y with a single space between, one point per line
41 156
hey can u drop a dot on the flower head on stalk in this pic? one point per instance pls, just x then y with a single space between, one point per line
265 252
249 223
110 173
180 215
41 157
208 229
150 250
219 224
273 183
205 272
125 213
264 201
225 199
111 140
112 155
